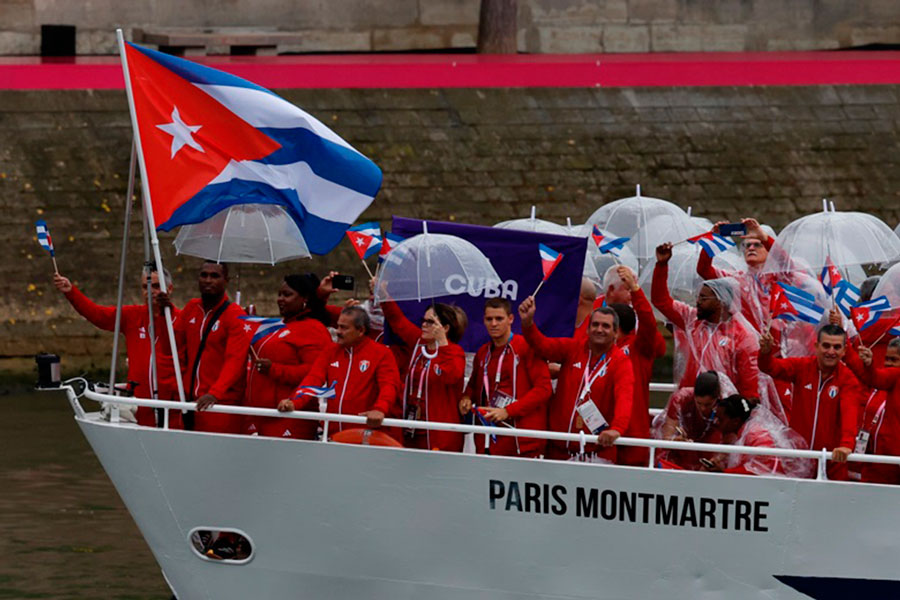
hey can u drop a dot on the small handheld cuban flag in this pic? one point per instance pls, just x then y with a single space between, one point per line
846 296
484 422
265 326
867 314
366 239
323 393
712 243
388 243
830 276
803 306
608 245
46 242
550 258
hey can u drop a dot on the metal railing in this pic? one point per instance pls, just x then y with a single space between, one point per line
821 456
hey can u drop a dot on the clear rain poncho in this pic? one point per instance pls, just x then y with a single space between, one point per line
729 347
763 429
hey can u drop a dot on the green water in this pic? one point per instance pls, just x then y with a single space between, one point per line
64 532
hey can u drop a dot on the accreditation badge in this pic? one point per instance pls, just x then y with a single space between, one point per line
862 442
501 399
592 417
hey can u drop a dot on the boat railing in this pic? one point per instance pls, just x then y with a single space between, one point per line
822 456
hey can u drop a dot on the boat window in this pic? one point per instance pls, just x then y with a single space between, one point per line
221 545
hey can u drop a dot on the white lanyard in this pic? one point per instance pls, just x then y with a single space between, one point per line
487 362
816 416
588 381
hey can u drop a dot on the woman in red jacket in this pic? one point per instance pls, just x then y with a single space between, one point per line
280 360
433 383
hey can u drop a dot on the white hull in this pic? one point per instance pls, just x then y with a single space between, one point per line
334 521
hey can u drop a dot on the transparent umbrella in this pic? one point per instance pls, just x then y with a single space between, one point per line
244 233
431 265
647 221
847 239
600 262
534 224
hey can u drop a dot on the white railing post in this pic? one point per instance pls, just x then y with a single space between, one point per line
823 466
325 431
652 456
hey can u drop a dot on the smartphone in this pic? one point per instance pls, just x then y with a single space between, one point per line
343 282
707 463
728 229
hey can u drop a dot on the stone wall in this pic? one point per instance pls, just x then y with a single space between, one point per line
544 25
476 156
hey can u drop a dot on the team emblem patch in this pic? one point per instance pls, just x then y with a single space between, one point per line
363 366
215 326
833 391
283 333
602 371
723 341
437 370
626 350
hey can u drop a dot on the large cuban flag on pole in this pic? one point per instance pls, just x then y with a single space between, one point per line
210 140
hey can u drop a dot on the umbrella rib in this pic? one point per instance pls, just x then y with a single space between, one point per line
222 240
269 239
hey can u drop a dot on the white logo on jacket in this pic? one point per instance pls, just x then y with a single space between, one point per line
335 364
215 326
363 366
283 333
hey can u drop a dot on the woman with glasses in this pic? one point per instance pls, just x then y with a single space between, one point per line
433 383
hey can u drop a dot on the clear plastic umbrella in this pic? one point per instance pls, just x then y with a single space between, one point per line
431 265
245 233
889 286
647 221
847 239
597 261
534 224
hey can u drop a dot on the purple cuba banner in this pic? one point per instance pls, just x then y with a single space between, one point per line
514 255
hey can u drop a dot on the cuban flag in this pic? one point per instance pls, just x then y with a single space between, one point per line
549 259
43 236
210 140
802 304
846 296
608 246
875 311
265 326
366 239
323 393
388 242
712 243
830 276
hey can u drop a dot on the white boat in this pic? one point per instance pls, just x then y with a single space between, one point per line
330 520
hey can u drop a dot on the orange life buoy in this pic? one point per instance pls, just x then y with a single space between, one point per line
366 437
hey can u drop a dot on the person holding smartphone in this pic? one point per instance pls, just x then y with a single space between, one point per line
434 377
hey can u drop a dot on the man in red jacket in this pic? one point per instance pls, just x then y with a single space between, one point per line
880 427
364 373
212 349
509 384
712 335
135 327
643 344
826 394
595 390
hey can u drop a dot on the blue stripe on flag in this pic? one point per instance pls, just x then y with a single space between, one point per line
327 160
846 297
196 73
321 235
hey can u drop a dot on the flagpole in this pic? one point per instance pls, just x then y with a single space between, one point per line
538 287
56 269
148 212
117 328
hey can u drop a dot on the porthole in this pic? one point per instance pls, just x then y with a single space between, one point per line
221 545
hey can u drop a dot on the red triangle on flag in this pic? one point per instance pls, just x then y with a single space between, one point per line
184 150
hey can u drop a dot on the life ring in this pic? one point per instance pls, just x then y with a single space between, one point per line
365 437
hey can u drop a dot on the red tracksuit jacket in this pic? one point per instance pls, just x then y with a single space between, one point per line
643 346
222 365
366 379
439 379
726 343
523 376
134 326
292 350
612 391
884 437
824 408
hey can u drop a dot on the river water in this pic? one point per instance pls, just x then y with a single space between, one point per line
64 532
